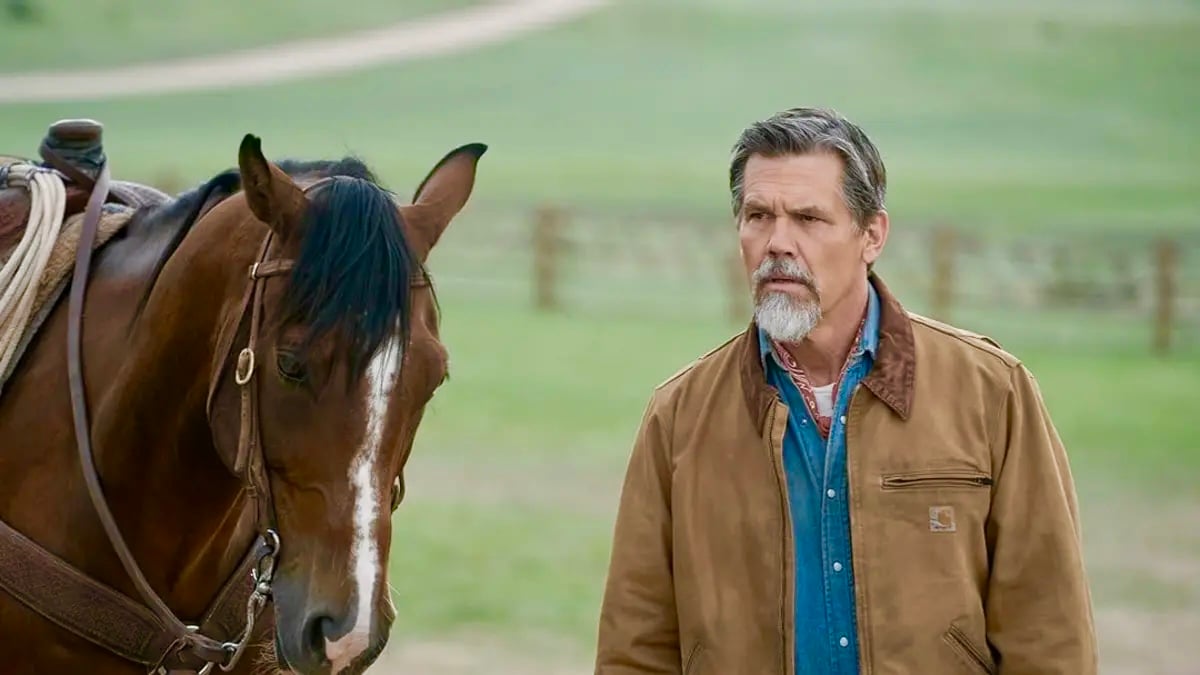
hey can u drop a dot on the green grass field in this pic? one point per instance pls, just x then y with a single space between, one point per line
72 34
1017 117
518 464
1060 118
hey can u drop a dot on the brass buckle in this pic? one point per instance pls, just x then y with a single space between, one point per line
245 367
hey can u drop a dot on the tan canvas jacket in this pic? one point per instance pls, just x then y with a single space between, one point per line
964 525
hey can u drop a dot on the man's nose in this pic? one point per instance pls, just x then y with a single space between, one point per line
782 242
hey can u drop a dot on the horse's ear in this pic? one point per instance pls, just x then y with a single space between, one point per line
272 195
442 195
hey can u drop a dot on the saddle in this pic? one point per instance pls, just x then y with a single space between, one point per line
149 634
75 149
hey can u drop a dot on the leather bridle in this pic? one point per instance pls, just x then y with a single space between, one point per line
151 634
249 464
189 648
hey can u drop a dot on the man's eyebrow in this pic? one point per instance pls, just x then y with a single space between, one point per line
810 210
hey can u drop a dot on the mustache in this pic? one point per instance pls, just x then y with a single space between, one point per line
783 268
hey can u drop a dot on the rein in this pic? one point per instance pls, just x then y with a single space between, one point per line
249 466
150 633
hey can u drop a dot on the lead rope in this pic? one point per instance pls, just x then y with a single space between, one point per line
263 574
23 270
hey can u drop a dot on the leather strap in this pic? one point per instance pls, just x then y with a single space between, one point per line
203 646
152 634
229 333
122 194
227 614
61 593
249 463
59 163
105 617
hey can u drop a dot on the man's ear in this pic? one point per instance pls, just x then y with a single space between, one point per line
441 196
875 234
272 195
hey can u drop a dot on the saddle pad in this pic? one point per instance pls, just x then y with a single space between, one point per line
60 268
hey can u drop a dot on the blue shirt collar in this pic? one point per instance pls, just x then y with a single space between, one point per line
870 339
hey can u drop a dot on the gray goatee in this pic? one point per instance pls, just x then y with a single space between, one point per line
783 317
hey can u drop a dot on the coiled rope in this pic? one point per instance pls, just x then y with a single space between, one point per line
23 270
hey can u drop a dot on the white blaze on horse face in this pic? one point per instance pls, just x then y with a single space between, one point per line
368 498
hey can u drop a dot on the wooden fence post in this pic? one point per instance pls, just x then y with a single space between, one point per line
942 286
1166 267
547 248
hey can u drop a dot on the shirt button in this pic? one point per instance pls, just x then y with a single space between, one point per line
831 493
844 642
837 567
842 419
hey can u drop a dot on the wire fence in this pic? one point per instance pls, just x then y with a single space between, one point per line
1126 290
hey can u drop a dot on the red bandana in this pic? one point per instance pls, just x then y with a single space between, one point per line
800 378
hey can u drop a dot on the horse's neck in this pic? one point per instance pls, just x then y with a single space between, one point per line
178 505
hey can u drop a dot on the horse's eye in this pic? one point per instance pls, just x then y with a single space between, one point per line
291 368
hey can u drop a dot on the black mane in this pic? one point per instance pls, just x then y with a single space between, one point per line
352 275
181 213
321 168
351 279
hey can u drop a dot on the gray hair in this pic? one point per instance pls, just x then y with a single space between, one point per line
801 131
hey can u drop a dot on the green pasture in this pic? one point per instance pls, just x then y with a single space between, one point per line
95 33
1021 117
517 468
1065 120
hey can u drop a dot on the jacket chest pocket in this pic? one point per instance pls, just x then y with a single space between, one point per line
936 501
936 478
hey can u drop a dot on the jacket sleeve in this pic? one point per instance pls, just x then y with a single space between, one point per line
638 631
1039 611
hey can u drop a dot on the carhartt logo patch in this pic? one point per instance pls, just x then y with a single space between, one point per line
941 519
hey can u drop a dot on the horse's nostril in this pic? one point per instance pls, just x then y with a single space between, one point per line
315 632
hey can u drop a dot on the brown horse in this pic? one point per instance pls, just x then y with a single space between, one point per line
335 332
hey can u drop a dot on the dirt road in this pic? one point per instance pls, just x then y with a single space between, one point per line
437 35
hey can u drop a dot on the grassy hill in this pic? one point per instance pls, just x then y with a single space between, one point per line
993 115
94 33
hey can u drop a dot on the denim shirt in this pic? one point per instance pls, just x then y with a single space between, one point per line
815 468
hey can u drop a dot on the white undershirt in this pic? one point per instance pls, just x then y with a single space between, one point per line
824 397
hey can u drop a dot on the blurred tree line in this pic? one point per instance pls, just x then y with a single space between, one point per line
21 10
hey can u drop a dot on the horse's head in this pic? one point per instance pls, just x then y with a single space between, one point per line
347 357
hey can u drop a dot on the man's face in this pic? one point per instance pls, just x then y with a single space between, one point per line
803 251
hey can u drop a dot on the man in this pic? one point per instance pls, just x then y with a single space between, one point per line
845 487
